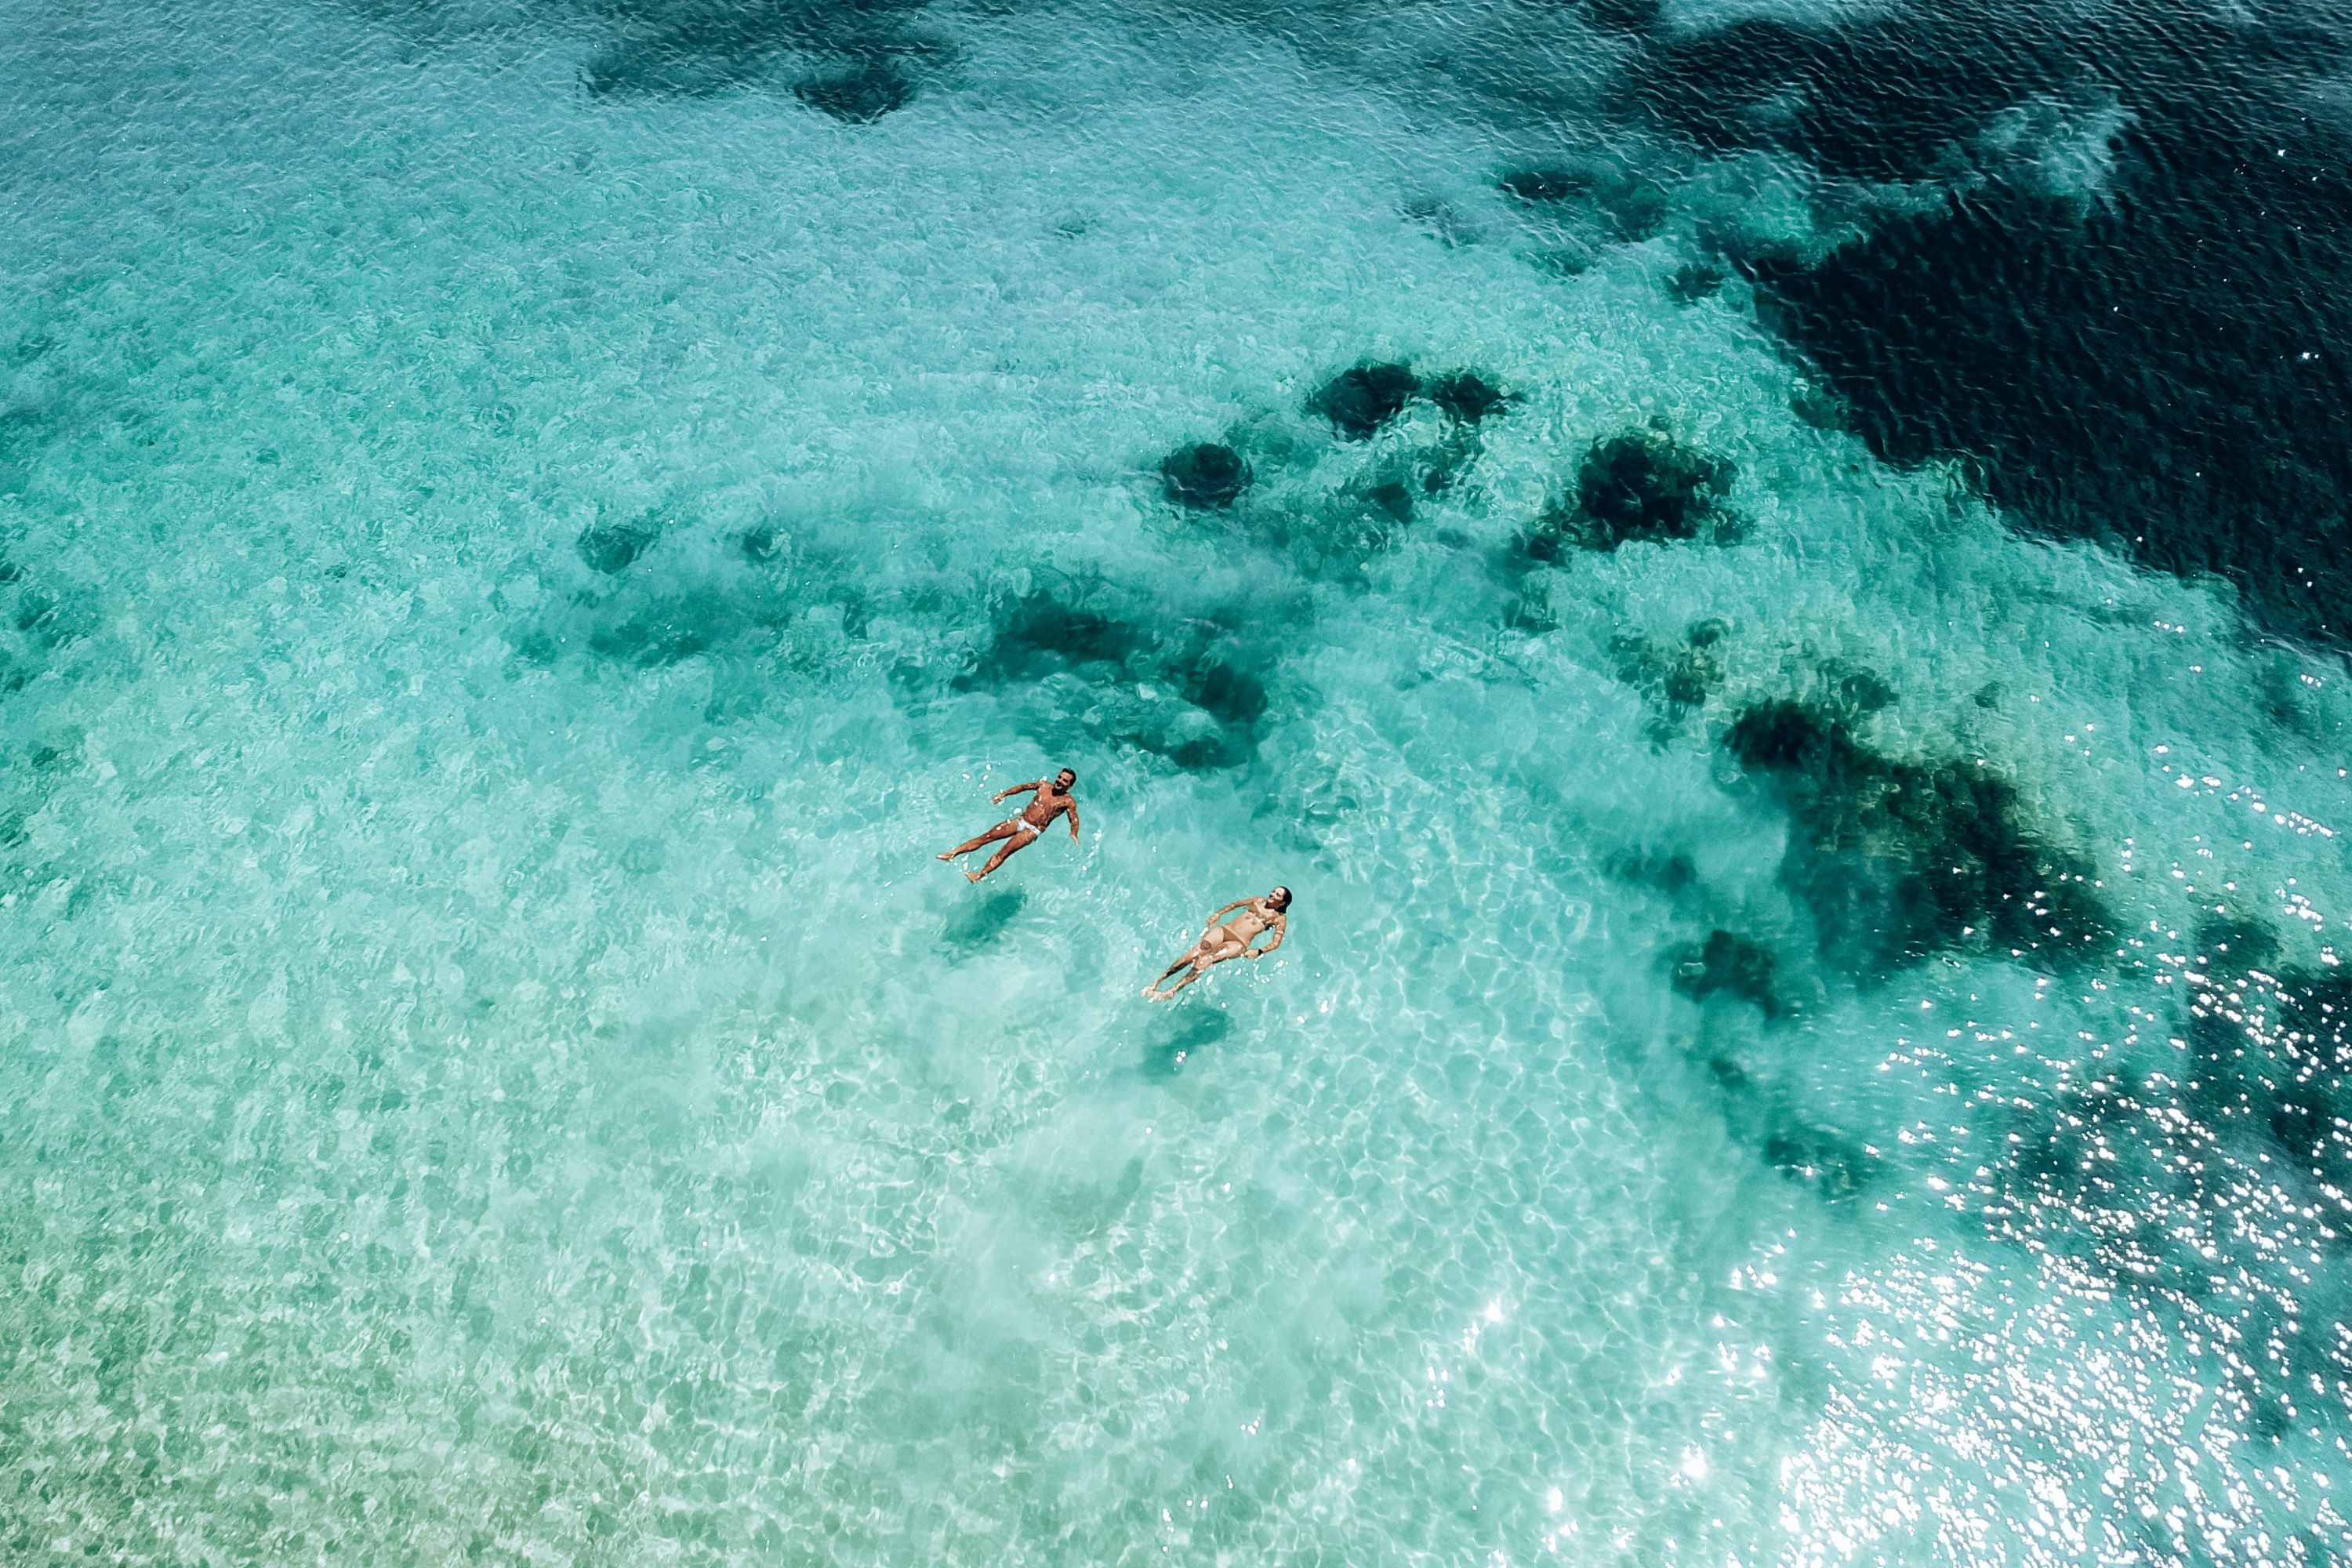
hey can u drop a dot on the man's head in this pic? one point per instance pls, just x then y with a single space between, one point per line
1279 899
1064 780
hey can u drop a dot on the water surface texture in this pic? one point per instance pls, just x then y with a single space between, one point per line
1774 577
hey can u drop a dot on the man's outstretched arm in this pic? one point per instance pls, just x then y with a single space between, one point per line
1074 822
1033 784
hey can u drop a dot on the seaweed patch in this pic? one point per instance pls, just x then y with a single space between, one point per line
1729 964
1640 485
858 94
856 62
1361 400
1206 475
1190 692
1631 205
613 548
1466 397
1899 859
2132 312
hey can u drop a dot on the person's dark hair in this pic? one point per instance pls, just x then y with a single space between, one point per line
1279 898
1071 771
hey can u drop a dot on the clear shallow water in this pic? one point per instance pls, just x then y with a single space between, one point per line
488 1067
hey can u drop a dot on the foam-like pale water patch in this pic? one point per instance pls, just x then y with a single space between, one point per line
508 587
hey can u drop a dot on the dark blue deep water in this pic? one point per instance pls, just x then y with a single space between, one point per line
1775 576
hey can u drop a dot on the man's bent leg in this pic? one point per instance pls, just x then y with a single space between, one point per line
991 836
1019 841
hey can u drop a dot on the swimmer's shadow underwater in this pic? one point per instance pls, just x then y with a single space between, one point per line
1171 1040
974 928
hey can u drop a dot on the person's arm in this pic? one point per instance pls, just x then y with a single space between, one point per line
1210 923
1280 928
1074 822
998 798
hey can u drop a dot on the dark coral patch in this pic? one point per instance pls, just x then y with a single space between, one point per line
1631 205
1731 965
2157 356
1640 485
1678 676
1207 475
1466 396
1189 692
1833 1167
704 51
1695 281
1540 186
611 547
1041 634
1360 401
1899 859
1388 498
859 94
856 58
1625 16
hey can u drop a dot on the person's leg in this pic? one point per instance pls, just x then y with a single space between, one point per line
1201 965
1153 990
1001 830
1018 841
1190 975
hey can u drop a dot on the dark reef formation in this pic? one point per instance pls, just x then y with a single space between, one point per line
1643 484
859 93
1900 859
1360 401
1206 475
855 62
1210 696
1677 675
2271 1048
2132 315
1630 205
1730 964
612 547
1466 397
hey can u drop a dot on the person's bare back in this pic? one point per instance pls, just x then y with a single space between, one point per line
1230 939
1050 799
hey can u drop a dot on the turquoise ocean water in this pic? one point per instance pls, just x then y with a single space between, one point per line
523 533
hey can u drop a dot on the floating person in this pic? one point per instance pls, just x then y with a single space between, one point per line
1220 942
1052 799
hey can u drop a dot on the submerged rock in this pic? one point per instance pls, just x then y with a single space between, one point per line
1680 676
1625 16
1640 485
1388 498
1695 281
1732 965
1900 859
1466 396
1631 205
698 48
1360 401
1834 1167
1189 692
610 548
1539 187
860 94
1206 475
